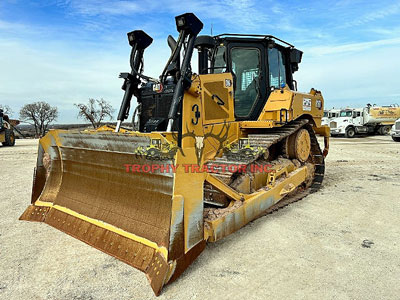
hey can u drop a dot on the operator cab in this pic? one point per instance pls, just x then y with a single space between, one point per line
259 64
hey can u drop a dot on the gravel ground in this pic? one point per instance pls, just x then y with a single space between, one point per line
340 243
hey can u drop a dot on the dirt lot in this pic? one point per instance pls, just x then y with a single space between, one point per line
340 243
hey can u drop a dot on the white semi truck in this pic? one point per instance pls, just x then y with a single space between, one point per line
395 133
367 120
329 115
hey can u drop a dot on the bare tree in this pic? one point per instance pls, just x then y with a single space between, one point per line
95 111
6 109
39 114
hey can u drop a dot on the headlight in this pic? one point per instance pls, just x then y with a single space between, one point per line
188 22
140 38
180 22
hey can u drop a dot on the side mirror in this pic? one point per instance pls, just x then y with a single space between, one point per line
295 58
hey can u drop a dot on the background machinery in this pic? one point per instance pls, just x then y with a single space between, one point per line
329 115
7 137
367 120
87 183
395 132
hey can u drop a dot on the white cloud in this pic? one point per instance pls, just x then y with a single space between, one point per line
376 14
7 27
353 47
248 13
98 7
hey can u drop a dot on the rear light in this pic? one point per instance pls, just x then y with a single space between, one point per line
158 87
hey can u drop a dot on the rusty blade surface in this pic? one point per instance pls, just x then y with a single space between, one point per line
88 193
94 183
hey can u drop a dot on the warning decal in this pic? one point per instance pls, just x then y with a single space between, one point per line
307 104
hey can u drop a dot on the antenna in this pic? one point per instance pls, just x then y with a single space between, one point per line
211 28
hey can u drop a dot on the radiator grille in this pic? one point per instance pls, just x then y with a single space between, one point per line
155 105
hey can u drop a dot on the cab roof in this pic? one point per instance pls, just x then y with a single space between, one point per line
250 37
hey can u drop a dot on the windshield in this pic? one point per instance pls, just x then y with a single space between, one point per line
346 113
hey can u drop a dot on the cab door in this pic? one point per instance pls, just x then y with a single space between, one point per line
247 64
357 118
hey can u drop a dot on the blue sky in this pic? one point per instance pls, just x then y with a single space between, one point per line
65 52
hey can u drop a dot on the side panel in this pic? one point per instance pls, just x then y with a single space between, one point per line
217 98
286 105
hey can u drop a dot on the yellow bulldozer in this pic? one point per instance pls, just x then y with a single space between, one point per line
158 214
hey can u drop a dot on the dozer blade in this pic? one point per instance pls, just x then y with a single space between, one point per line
82 188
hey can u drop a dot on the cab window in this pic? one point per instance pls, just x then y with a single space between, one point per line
277 73
219 60
246 64
344 113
